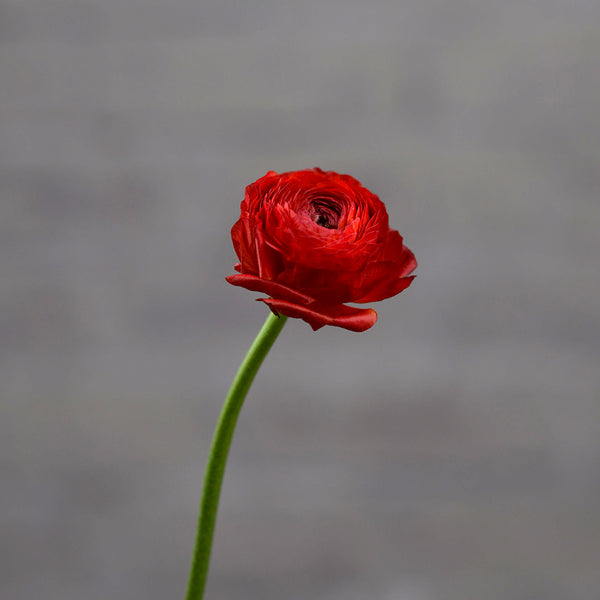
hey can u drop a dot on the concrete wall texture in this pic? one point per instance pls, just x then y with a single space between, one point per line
450 453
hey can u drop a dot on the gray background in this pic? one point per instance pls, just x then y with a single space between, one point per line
451 452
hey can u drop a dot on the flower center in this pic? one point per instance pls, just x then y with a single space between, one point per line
325 212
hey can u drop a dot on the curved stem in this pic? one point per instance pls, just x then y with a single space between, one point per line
215 467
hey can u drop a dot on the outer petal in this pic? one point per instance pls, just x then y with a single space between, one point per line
389 276
395 251
317 315
256 284
386 289
244 245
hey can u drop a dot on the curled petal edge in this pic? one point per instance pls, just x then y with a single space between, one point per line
264 286
291 303
387 289
318 315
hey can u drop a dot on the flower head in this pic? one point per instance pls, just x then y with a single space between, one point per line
313 240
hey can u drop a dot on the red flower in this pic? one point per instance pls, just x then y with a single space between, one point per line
312 240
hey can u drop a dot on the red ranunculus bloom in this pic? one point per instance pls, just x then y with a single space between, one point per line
312 240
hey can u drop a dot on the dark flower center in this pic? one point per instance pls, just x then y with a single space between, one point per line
325 212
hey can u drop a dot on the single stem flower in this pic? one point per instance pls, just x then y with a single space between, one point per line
311 241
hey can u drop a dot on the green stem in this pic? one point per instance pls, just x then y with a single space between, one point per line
215 467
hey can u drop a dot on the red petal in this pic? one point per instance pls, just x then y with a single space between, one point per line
256 284
317 315
409 260
386 289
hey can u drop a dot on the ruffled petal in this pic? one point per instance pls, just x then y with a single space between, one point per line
389 276
256 284
395 251
317 315
386 289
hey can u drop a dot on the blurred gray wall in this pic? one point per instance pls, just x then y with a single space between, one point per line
451 452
